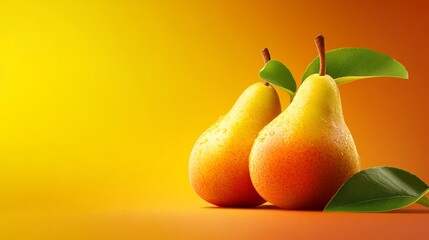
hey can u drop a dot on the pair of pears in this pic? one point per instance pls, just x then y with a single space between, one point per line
295 159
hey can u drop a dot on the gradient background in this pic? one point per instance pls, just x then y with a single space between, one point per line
101 102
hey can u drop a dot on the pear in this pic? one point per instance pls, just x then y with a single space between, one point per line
219 161
301 158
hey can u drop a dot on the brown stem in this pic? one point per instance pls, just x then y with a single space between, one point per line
320 44
266 56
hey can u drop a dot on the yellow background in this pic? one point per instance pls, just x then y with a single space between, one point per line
101 101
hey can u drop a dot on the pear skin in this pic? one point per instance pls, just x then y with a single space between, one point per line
219 161
301 158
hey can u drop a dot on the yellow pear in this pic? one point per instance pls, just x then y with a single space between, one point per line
219 162
301 158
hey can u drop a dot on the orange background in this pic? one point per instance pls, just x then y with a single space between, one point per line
101 102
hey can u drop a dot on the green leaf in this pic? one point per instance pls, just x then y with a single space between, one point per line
379 189
278 74
350 64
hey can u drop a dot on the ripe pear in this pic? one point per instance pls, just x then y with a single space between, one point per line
219 162
301 158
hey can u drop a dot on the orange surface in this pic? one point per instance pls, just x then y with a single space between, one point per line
102 101
206 222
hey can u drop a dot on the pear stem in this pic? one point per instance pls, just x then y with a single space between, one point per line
320 44
267 57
